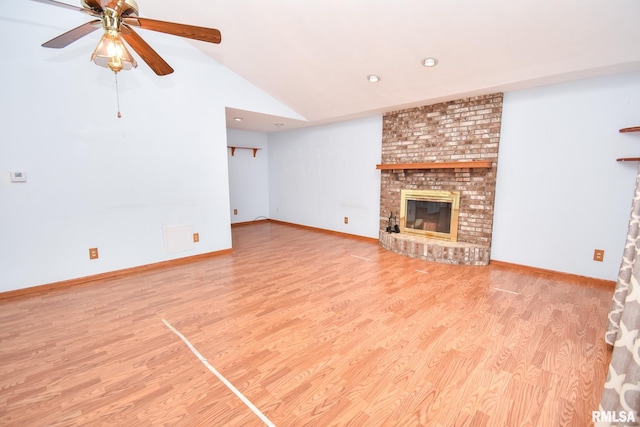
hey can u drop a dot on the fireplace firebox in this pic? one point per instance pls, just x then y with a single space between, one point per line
430 213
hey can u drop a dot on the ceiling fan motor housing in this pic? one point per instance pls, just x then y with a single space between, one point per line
123 7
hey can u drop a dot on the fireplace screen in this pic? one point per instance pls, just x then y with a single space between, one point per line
430 213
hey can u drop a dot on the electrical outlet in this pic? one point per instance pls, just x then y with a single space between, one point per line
346 220
93 253
598 255
196 237
235 211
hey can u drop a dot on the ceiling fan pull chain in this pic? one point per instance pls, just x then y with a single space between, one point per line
117 95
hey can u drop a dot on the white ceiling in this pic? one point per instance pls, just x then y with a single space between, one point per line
315 55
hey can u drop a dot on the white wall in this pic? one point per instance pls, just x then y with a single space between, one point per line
560 193
319 175
248 176
98 181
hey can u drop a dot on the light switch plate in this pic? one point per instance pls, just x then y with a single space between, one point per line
18 177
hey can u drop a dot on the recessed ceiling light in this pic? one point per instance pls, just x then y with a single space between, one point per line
279 124
237 119
373 78
430 62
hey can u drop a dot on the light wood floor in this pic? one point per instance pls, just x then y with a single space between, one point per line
314 329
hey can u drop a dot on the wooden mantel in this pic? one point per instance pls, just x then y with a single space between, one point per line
437 165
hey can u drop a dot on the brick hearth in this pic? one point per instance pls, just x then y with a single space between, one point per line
459 253
456 131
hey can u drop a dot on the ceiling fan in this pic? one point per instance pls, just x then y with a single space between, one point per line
116 18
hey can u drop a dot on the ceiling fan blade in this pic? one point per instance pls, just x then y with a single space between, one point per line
68 6
189 31
93 5
69 37
146 52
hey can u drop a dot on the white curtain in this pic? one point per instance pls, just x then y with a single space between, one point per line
622 388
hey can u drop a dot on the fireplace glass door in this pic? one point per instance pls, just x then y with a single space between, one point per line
430 213
431 216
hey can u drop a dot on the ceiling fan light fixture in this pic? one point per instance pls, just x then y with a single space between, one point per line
112 53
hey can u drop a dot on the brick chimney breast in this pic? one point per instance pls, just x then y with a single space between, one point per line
456 131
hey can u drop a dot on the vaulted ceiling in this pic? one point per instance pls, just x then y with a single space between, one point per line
315 55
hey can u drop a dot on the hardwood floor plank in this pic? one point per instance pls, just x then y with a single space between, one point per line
314 329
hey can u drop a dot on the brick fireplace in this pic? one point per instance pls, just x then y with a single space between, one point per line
451 146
